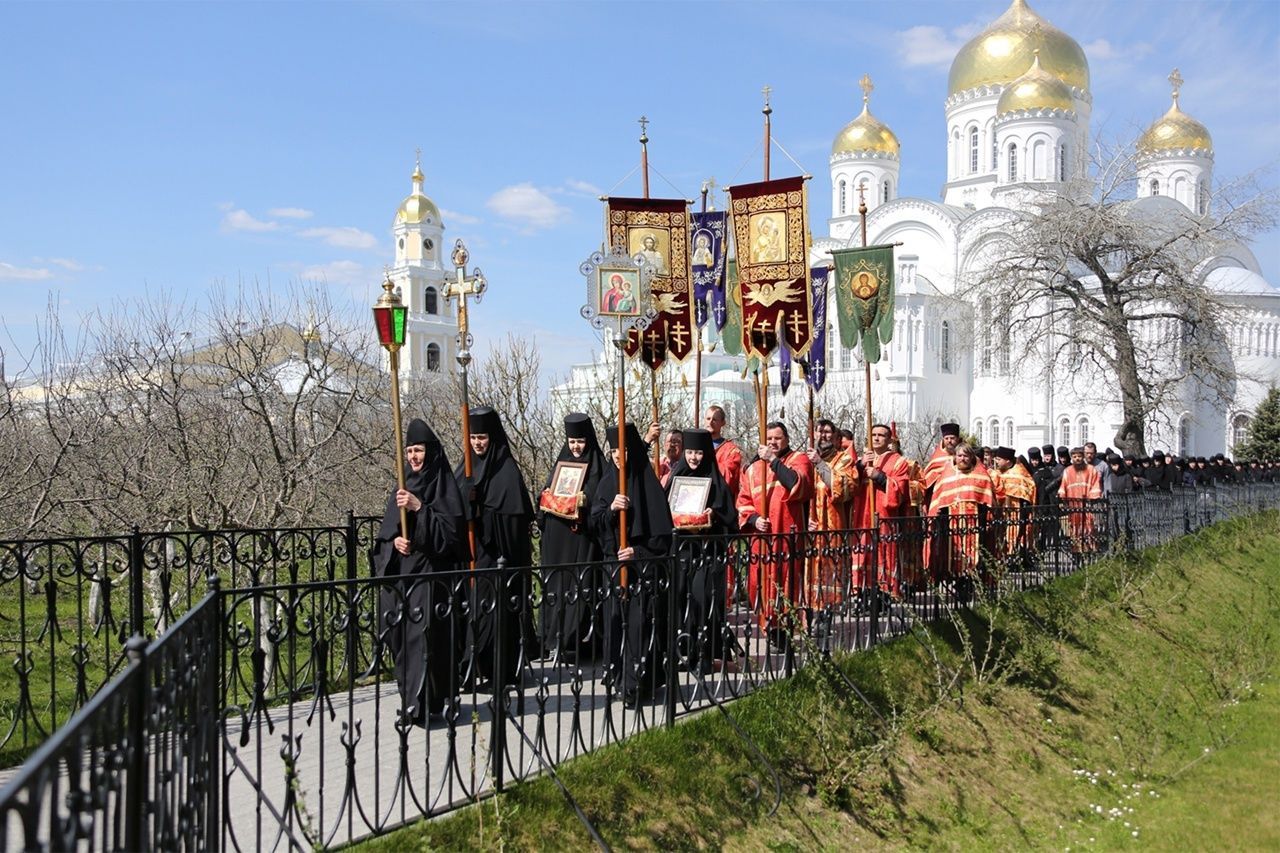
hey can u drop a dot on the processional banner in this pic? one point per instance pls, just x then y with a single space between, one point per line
731 334
770 228
658 230
864 298
815 366
710 251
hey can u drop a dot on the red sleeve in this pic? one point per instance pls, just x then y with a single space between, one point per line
803 489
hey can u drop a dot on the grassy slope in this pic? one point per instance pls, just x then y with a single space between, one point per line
1139 697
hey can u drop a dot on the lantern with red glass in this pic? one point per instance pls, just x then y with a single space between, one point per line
389 314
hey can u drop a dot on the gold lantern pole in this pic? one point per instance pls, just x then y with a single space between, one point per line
389 318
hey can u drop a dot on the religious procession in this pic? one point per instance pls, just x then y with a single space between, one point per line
683 549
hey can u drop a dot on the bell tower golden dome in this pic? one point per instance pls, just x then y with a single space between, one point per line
866 132
1004 50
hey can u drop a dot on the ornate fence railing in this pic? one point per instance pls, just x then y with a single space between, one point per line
297 688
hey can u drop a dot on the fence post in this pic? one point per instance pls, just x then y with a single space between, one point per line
214 817
677 567
498 685
352 545
136 796
873 565
136 619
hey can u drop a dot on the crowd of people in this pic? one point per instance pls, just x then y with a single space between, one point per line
955 516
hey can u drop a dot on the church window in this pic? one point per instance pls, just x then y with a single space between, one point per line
1155 187
884 192
1038 165
400 243
995 433
945 348
1184 436
1062 162
1008 429
977 432
1064 432
1006 344
843 205
995 153
846 358
1013 161
433 358
973 151
1203 199
1082 428
1239 431
432 300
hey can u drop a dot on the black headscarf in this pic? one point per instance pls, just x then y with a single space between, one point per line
649 517
723 510
432 483
499 486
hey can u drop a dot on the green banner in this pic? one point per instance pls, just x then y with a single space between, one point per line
731 334
864 298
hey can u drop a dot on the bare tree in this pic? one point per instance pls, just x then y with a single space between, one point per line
1095 288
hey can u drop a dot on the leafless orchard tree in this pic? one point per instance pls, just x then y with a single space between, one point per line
1108 293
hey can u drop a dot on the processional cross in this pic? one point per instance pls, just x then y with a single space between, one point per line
460 288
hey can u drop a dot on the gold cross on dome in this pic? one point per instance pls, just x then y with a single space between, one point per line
765 91
417 157
644 129
867 87
1176 80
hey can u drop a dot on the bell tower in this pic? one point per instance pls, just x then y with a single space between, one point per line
419 273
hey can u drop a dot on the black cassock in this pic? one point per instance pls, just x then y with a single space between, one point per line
502 514
571 597
700 572
416 614
635 617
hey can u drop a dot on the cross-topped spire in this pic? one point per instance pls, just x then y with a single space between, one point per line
417 157
867 86
765 91
644 130
1175 79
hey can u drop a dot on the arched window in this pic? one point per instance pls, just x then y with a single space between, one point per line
884 192
843 202
1203 194
1013 161
1064 432
995 433
1155 187
433 358
1239 432
1184 436
977 432
973 151
1008 430
945 348
846 358
1006 342
1039 170
995 153
1062 162
1082 429
433 300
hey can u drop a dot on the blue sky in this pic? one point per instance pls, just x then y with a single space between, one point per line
153 147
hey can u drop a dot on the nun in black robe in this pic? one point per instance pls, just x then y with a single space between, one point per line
569 595
636 617
416 615
700 572
499 505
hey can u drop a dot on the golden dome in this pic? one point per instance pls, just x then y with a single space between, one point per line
1035 90
1000 53
866 132
417 206
1175 130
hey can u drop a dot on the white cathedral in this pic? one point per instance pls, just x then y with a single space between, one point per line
1017 110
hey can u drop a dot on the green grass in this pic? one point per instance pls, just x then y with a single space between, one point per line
1143 691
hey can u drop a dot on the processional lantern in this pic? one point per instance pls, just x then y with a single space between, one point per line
389 315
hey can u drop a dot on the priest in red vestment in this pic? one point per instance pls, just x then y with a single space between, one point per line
1081 483
890 477
771 504
960 494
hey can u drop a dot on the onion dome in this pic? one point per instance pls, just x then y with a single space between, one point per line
866 133
1001 52
1175 130
1035 90
417 207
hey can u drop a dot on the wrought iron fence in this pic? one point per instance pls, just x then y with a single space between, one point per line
348 705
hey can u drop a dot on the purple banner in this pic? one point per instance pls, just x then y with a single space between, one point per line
707 261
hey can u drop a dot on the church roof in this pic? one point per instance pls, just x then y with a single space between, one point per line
866 133
1037 89
417 207
1003 51
1175 130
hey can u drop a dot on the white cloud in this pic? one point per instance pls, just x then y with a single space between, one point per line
337 272
344 237
68 264
527 206
242 220
574 185
289 213
9 272
454 217
930 45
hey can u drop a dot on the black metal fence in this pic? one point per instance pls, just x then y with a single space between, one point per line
330 706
